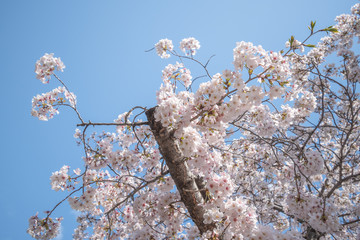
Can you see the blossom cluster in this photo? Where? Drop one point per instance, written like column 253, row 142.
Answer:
column 46, row 228
column 177, row 72
column 278, row 67
column 189, row 141
column 306, row 104
column 172, row 107
column 85, row 202
column 163, row 46
column 310, row 208
column 46, row 66
column 189, row 46
column 58, row 179
column 312, row 164
column 246, row 54
column 220, row 186
column 45, row 106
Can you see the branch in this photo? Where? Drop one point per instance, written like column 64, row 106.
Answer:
column 112, row 124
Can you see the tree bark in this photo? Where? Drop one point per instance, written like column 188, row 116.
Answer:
column 185, row 181
column 312, row 234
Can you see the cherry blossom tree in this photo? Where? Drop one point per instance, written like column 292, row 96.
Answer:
column 266, row 150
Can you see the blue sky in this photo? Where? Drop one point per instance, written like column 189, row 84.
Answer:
column 102, row 44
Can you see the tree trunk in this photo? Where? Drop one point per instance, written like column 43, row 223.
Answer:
column 312, row 234
column 185, row 181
